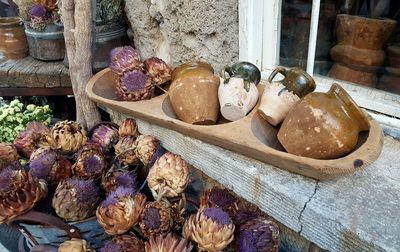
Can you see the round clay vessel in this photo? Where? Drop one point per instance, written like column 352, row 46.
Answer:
column 323, row 125
column 13, row 43
column 279, row 97
column 194, row 93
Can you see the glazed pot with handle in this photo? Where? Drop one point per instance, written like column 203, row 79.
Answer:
column 280, row 96
column 194, row 93
column 238, row 93
column 323, row 125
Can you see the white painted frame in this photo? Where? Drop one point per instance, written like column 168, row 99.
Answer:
column 259, row 43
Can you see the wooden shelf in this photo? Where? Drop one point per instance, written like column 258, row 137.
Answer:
column 30, row 77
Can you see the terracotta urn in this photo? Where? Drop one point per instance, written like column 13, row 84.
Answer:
column 194, row 93
column 279, row 97
column 323, row 125
column 238, row 93
column 13, row 43
column 359, row 52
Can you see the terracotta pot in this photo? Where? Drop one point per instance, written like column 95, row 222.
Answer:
column 238, row 93
column 362, row 32
column 279, row 97
column 360, row 43
column 13, row 43
column 194, row 93
column 323, row 125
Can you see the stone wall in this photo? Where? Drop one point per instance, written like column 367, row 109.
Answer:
column 182, row 30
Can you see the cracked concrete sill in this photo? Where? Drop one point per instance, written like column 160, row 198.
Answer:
column 356, row 212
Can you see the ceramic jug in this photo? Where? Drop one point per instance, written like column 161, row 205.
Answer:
column 194, row 93
column 238, row 93
column 279, row 97
column 323, row 125
column 13, row 44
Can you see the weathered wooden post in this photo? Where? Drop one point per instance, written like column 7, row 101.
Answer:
column 78, row 18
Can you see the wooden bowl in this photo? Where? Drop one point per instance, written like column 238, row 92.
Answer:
column 251, row 136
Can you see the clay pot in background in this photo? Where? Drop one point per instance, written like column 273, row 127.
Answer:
column 194, row 93
column 359, row 53
column 279, row 97
column 238, row 93
column 13, row 43
column 323, row 125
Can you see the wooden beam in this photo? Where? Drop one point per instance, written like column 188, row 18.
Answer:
column 36, row 91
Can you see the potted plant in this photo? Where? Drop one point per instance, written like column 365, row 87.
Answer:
column 361, row 34
column 43, row 28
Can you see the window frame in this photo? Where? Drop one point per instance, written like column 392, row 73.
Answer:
column 259, row 43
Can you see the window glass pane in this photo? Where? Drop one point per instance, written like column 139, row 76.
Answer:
column 359, row 42
column 295, row 32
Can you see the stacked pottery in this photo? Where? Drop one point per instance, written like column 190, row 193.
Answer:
column 194, row 93
column 359, row 53
column 238, row 93
column 279, row 97
column 390, row 81
column 323, row 125
column 13, row 43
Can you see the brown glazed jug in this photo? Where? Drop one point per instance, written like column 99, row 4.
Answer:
column 279, row 97
column 323, row 125
column 194, row 93
column 13, row 43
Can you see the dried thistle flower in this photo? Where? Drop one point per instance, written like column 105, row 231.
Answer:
column 148, row 149
column 76, row 199
column 158, row 70
column 211, row 228
column 91, row 162
column 50, row 165
column 105, row 134
column 258, row 235
column 120, row 211
column 168, row 243
column 115, row 178
column 169, row 175
column 128, row 128
column 156, row 219
column 124, row 59
column 19, row 192
column 218, row 197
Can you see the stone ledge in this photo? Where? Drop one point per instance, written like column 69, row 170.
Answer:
column 357, row 212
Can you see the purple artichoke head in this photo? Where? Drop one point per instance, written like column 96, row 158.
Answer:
column 105, row 135
column 124, row 59
column 86, row 190
column 258, row 235
column 6, row 180
column 126, row 179
column 221, row 197
column 114, row 197
column 110, row 246
column 37, row 11
column 152, row 218
column 42, row 163
column 158, row 70
column 134, row 80
column 218, row 215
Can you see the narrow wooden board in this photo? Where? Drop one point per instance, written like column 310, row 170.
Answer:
column 28, row 72
column 250, row 136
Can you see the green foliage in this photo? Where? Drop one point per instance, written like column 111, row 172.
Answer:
column 15, row 116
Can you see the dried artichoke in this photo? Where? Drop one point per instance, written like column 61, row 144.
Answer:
column 69, row 136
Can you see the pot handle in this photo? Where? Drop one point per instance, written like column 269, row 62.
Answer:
column 277, row 70
column 48, row 220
